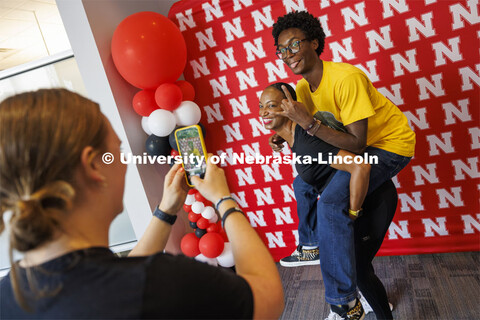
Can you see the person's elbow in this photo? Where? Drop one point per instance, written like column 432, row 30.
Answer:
column 359, row 147
column 268, row 296
column 278, row 300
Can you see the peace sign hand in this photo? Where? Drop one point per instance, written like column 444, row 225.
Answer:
column 294, row 110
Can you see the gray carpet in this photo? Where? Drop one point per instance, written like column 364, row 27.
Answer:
column 434, row 286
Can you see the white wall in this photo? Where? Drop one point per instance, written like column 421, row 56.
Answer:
column 90, row 25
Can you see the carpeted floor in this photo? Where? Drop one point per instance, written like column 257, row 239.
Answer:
column 434, row 286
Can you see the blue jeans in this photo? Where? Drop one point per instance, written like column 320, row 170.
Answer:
column 335, row 229
column 306, row 198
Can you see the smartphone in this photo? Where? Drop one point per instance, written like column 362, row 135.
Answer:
column 191, row 148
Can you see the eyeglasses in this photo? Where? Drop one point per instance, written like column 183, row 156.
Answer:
column 294, row 47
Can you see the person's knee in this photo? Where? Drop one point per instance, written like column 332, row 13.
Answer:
column 338, row 190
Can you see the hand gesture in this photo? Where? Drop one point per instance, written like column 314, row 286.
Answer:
column 174, row 190
column 276, row 142
column 294, row 110
column 214, row 186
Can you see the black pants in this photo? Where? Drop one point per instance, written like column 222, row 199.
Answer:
column 370, row 229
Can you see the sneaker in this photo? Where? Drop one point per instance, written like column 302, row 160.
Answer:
column 301, row 257
column 341, row 312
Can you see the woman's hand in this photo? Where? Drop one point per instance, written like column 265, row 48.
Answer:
column 214, row 186
column 276, row 143
column 294, row 110
column 174, row 190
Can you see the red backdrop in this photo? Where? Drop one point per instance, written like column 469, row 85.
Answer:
column 422, row 55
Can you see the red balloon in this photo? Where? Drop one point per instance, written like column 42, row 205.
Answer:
column 189, row 245
column 148, row 49
column 188, row 91
column 222, row 232
column 144, row 102
column 213, row 227
column 200, row 198
column 203, row 223
column 211, row 245
column 168, row 96
column 207, row 203
column 187, row 208
column 193, row 217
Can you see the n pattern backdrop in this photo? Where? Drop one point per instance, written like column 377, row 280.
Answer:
column 422, row 54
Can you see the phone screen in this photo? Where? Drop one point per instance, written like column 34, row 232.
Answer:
column 191, row 148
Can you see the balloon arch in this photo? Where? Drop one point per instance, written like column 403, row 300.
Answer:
column 150, row 53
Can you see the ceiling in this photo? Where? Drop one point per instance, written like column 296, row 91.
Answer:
column 30, row 30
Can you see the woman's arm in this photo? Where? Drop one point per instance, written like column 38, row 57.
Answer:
column 359, row 178
column 354, row 140
column 252, row 260
column 156, row 235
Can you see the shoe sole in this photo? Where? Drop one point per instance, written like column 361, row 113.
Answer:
column 299, row 263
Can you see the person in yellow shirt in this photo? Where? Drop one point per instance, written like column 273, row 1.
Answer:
column 338, row 104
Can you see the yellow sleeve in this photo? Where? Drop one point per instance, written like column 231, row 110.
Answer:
column 303, row 95
column 353, row 99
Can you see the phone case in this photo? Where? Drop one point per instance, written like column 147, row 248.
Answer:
column 181, row 148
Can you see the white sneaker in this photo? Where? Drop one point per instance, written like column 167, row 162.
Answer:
column 333, row 316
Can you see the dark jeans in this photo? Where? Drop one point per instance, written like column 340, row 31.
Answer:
column 306, row 198
column 334, row 229
column 370, row 229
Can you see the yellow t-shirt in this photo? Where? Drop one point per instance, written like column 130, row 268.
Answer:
column 346, row 95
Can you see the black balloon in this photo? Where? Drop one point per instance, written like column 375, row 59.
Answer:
column 157, row 146
column 171, row 139
column 203, row 129
column 200, row 232
column 193, row 224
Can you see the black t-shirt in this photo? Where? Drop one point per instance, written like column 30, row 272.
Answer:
column 316, row 174
column 94, row 283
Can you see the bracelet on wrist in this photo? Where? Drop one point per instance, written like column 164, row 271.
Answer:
column 355, row 213
column 221, row 200
column 310, row 126
column 228, row 212
column 168, row 218
column 315, row 128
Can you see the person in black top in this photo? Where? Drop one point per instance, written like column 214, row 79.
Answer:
column 378, row 207
column 303, row 143
column 58, row 199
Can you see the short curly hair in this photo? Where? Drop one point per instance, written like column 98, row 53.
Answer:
column 304, row 21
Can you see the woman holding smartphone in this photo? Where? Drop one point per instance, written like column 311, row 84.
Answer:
column 58, row 199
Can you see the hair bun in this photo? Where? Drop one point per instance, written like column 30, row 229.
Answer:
column 36, row 217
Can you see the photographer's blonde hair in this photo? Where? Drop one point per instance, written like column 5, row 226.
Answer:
column 42, row 135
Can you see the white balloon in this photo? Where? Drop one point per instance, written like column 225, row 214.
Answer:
column 190, row 199
column 225, row 259
column 210, row 261
column 161, row 122
column 198, row 207
column 145, row 127
column 208, row 213
column 213, row 219
column 187, row 114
